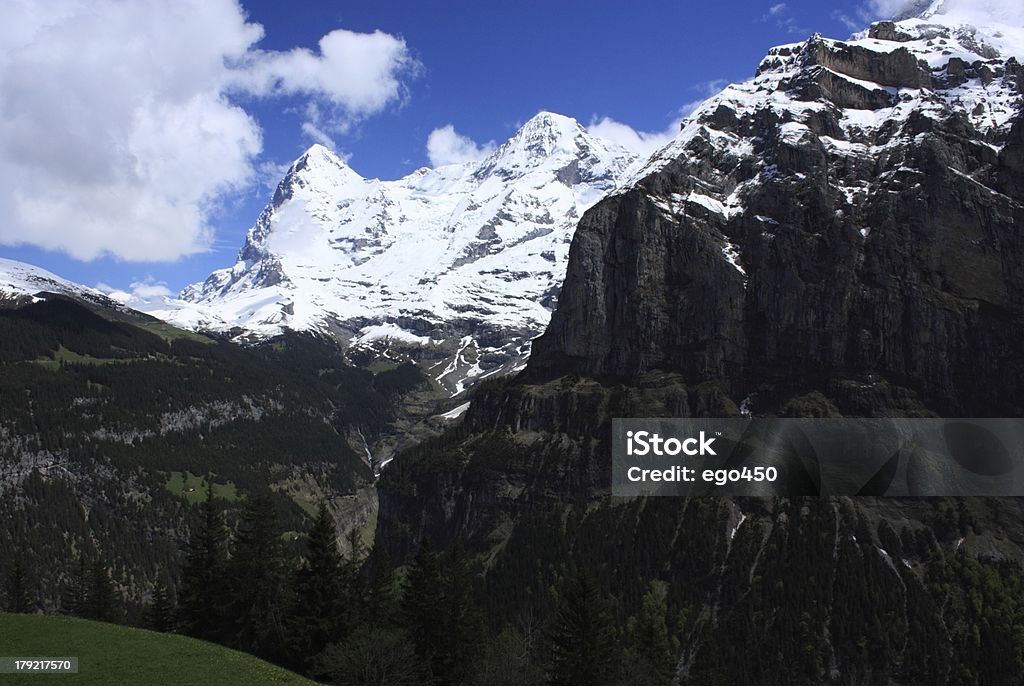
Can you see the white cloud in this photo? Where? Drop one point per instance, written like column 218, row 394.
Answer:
column 968, row 11
column 645, row 143
column 706, row 90
column 446, row 146
column 145, row 292
column 1009, row 12
column 886, row 9
column 118, row 135
column 359, row 72
column 779, row 14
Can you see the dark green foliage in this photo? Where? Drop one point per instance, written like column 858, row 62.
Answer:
column 124, row 408
column 511, row 659
column 159, row 614
column 203, row 598
column 584, row 650
column 402, row 379
column 259, row 576
column 75, row 596
column 380, row 589
column 438, row 610
column 89, row 592
column 708, row 668
column 37, row 329
column 102, row 603
column 988, row 620
column 376, row 656
column 359, row 397
column 19, row 588
column 651, row 657
column 320, row 610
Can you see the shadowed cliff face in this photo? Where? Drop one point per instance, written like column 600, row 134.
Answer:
column 814, row 243
column 784, row 251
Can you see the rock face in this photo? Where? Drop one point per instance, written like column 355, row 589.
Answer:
column 463, row 262
column 799, row 238
column 841, row 235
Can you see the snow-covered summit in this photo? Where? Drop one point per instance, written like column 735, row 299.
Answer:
column 940, row 59
column 18, row 279
column 474, row 254
column 983, row 12
column 473, row 251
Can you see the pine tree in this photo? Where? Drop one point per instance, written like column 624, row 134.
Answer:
column 202, row 598
column 19, row 594
column 652, row 662
column 320, row 608
column 159, row 615
column 438, row 610
column 707, row 667
column 422, row 609
column 461, row 623
column 259, row 581
column 583, row 647
column 75, row 597
column 102, row 603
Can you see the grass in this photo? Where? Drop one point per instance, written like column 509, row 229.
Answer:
column 62, row 354
column 166, row 331
column 306, row 502
column 170, row 333
column 112, row 654
column 193, row 488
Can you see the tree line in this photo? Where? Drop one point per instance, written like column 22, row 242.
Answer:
column 348, row 618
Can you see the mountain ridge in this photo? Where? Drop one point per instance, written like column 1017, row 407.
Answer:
column 459, row 258
column 838, row 236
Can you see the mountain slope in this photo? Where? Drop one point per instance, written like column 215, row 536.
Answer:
column 813, row 227
column 19, row 281
column 841, row 235
column 465, row 257
column 111, row 422
column 108, row 653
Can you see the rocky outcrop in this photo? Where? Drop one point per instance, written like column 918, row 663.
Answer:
column 805, row 254
column 842, row 235
column 897, row 68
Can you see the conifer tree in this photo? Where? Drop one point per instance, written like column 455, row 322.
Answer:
column 159, row 615
column 320, row 608
column 652, row 660
column 583, row 647
column 421, row 605
column 18, row 592
column 461, row 621
column 259, row 581
column 102, row 602
column 377, row 588
column 440, row 615
column 202, row 600
column 75, row 596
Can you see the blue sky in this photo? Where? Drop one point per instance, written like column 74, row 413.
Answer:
column 482, row 67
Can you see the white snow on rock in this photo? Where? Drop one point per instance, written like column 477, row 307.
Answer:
column 478, row 251
column 462, row 250
column 18, row 279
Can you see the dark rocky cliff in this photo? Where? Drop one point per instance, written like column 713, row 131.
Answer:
column 883, row 268
column 843, row 235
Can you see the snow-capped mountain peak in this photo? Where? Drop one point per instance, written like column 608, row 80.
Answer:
column 949, row 58
column 464, row 256
column 1006, row 12
column 18, row 279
